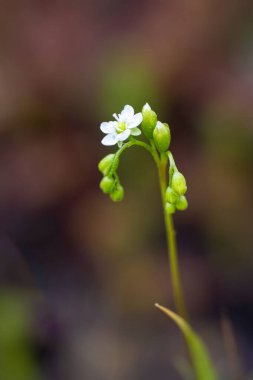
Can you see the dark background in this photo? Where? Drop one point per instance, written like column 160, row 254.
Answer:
column 79, row 275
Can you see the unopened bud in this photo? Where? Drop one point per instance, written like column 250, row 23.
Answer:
column 182, row 203
column 105, row 164
column 169, row 208
column 149, row 120
column 171, row 196
column 107, row 185
column 178, row 183
column 117, row 194
column 162, row 136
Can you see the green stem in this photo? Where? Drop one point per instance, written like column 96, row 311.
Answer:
column 124, row 146
column 172, row 245
column 133, row 142
column 170, row 232
column 129, row 144
column 149, row 148
column 117, row 156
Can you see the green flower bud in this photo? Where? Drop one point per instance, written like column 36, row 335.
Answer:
column 178, row 183
column 171, row 196
column 105, row 164
column 161, row 136
column 117, row 194
column 182, row 203
column 149, row 120
column 107, row 185
column 169, row 208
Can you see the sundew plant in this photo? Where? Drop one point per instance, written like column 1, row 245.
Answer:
column 125, row 132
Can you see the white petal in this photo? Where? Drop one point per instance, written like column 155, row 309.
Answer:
column 108, row 127
column 116, row 116
column 126, row 114
column 110, row 139
column 124, row 135
column 135, row 121
column 135, row 131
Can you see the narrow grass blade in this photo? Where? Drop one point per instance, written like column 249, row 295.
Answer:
column 201, row 362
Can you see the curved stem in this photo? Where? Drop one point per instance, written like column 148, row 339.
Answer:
column 172, row 245
column 161, row 163
column 131, row 143
column 117, row 156
column 149, row 148
column 124, row 147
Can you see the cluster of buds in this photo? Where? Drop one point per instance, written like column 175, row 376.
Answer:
column 175, row 194
column 160, row 133
column 153, row 129
column 110, row 182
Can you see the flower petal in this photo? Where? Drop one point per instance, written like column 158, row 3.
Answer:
column 124, row 135
column 135, row 121
column 127, row 114
column 135, row 131
column 108, row 127
column 116, row 116
column 110, row 139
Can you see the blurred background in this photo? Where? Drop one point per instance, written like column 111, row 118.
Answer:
column 79, row 275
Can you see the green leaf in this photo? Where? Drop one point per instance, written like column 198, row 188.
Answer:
column 201, row 362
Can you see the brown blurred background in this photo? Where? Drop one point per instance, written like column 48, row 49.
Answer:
column 79, row 275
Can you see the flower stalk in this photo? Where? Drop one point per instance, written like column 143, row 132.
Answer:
column 172, row 244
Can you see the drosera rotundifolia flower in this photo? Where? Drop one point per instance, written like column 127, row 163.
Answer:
column 125, row 125
column 173, row 189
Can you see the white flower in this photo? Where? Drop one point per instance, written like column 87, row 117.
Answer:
column 125, row 125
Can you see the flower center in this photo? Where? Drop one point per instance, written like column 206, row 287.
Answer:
column 121, row 127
